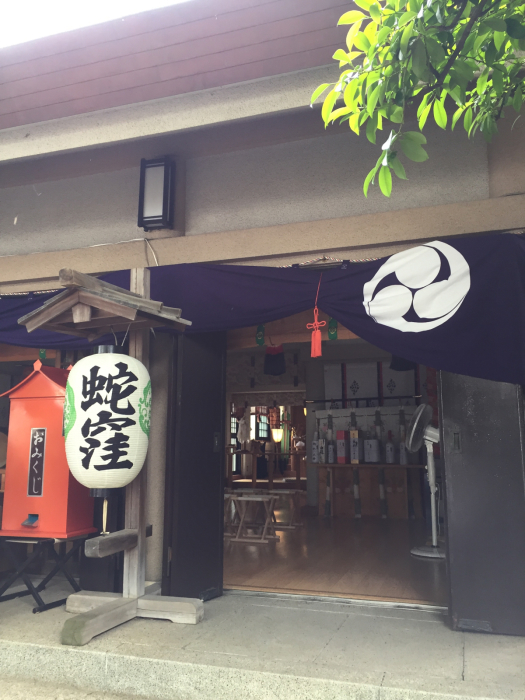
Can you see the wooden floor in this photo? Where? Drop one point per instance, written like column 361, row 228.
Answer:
column 368, row 558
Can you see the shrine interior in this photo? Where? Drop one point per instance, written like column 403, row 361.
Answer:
column 314, row 523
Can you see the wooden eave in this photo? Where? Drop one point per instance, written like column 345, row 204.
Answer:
column 90, row 308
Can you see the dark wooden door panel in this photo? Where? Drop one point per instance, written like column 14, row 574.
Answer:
column 482, row 446
column 195, row 467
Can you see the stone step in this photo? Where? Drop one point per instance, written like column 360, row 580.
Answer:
column 17, row 689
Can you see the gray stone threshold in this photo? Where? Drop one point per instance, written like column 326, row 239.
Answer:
column 362, row 602
column 96, row 672
column 261, row 647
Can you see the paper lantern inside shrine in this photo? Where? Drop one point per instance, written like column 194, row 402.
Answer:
column 107, row 420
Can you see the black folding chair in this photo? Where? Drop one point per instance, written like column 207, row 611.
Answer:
column 40, row 545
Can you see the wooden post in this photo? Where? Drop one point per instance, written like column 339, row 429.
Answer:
column 298, row 465
column 253, row 449
column 135, row 514
column 230, row 449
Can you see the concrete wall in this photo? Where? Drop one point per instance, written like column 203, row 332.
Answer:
column 321, row 178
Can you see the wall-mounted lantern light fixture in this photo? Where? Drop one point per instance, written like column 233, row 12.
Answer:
column 156, row 194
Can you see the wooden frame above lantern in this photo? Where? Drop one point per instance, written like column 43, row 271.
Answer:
column 90, row 308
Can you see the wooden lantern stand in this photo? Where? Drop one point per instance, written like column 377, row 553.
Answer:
column 91, row 308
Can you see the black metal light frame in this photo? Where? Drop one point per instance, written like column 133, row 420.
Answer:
column 166, row 219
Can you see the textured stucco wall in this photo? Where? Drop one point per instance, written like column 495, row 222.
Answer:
column 322, row 178
column 71, row 213
column 298, row 181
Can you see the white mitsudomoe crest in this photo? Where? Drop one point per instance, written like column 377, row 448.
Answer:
column 416, row 271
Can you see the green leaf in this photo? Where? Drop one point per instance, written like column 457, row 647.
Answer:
column 499, row 39
column 497, row 81
column 405, row 38
column 375, row 13
column 515, row 29
column 318, row 91
column 424, row 116
column 398, row 168
column 423, row 104
column 385, row 180
column 440, row 114
column 351, row 17
column 372, row 100
column 467, row 120
column 395, row 114
column 382, row 34
column 371, row 128
column 361, row 41
column 497, row 24
column 328, row 105
column 467, row 48
column 369, row 178
column 370, row 31
column 517, row 100
column 406, row 17
column 350, row 94
column 481, row 83
column 365, row 4
column 490, row 53
column 456, row 116
column 415, row 137
column 464, row 69
column 353, row 123
column 352, row 32
column 419, row 59
column 340, row 55
column 341, row 112
column 435, row 51
column 413, row 150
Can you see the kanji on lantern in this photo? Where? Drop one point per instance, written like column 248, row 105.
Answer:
column 107, row 419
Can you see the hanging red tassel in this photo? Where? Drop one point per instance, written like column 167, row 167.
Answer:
column 315, row 326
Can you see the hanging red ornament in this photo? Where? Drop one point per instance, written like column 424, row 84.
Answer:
column 315, row 326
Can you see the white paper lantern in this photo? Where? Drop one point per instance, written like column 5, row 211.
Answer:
column 107, row 420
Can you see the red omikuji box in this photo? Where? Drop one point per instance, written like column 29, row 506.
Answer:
column 42, row 499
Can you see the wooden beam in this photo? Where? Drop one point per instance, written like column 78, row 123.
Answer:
column 84, row 601
column 81, row 629
column 46, row 313
column 65, row 330
column 188, row 611
column 81, row 313
column 106, row 545
column 291, row 329
column 135, row 513
column 73, row 278
column 117, row 308
column 15, row 353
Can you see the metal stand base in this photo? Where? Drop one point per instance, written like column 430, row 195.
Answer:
column 428, row 552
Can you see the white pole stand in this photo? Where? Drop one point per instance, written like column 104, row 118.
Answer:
column 434, row 551
column 100, row 612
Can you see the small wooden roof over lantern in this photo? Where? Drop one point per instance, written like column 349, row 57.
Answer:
column 90, row 308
